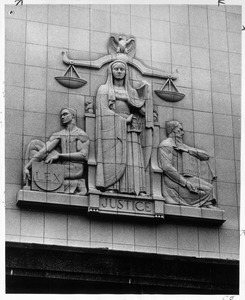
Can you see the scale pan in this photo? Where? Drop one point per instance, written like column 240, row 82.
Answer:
column 71, row 82
column 170, row 96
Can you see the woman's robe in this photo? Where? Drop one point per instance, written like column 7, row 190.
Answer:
column 120, row 158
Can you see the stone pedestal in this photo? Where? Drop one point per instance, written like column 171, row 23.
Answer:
column 120, row 205
column 90, row 129
column 156, row 171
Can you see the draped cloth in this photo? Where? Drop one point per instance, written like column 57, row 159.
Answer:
column 123, row 150
column 179, row 167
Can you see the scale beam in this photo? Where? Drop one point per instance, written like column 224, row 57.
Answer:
column 98, row 63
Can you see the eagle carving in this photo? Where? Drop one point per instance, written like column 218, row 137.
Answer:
column 120, row 44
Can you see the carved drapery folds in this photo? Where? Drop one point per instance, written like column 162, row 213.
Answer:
column 187, row 176
column 129, row 170
column 124, row 124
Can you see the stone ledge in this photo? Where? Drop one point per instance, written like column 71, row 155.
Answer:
column 120, row 205
column 203, row 215
column 27, row 198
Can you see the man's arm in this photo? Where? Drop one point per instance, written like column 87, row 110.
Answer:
column 200, row 154
column 82, row 145
column 165, row 156
column 39, row 156
column 80, row 155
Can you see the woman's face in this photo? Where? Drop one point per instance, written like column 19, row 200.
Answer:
column 118, row 70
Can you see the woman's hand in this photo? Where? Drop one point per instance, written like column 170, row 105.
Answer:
column 112, row 104
column 129, row 119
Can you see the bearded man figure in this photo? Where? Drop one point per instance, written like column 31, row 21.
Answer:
column 187, row 176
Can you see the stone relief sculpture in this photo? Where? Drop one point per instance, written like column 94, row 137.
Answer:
column 89, row 106
column 126, row 174
column 69, row 80
column 124, row 124
column 120, row 44
column 67, row 150
column 187, row 176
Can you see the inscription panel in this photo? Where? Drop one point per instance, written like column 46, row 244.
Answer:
column 130, row 206
column 47, row 177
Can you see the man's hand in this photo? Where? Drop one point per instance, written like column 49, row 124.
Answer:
column 191, row 188
column 26, row 175
column 193, row 153
column 52, row 158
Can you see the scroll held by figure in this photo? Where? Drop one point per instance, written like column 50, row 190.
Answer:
column 58, row 164
column 124, row 126
column 187, row 176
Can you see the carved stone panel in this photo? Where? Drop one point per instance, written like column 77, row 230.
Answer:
column 46, row 177
column 126, row 206
column 187, row 175
column 58, row 165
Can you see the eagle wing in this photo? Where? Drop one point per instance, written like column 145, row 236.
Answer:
column 130, row 44
column 114, row 42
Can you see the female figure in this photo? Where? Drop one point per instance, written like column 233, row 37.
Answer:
column 123, row 114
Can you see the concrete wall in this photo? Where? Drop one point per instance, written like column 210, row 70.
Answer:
column 201, row 43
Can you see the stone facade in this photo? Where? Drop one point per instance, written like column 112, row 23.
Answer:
column 201, row 44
